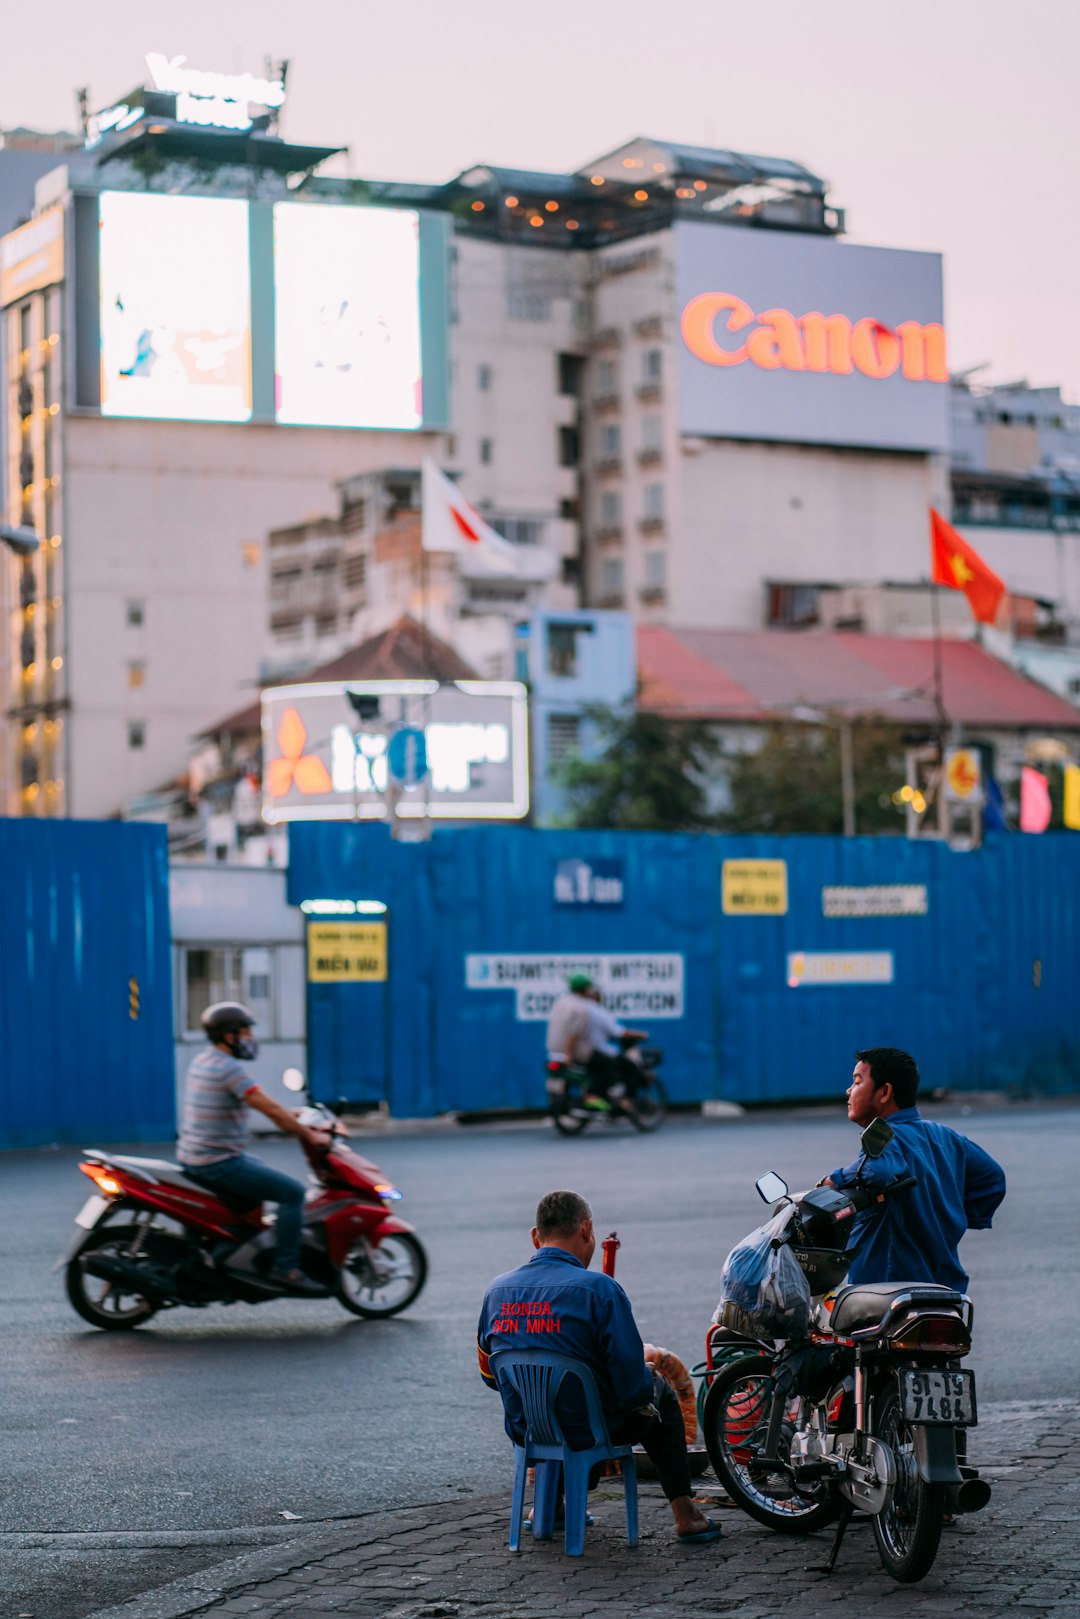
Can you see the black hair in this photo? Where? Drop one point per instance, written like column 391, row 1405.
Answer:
column 561, row 1214
column 888, row 1066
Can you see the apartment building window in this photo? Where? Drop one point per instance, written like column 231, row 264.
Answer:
column 520, row 530
column 610, row 441
column 607, row 378
column 483, row 378
column 792, row 605
column 136, row 675
column 228, row 973
column 610, row 508
column 652, row 434
column 136, row 614
column 653, row 502
column 486, row 451
column 562, row 648
column 563, row 736
column 569, row 453
column 354, row 573
column 652, row 366
column 570, row 368
column 655, row 570
column 611, row 576
column 251, row 553
column 136, row 735
column 325, row 624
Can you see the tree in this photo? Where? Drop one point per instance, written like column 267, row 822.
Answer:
column 651, row 775
column 792, row 783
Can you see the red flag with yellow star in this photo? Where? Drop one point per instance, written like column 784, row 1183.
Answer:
column 956, row 564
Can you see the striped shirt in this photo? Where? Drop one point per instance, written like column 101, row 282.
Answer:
column 214, row 1122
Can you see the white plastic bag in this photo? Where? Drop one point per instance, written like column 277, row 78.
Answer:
column 763, row 1291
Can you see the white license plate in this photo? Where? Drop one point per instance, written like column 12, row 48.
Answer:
column 938, row 1397
column 91, row 1211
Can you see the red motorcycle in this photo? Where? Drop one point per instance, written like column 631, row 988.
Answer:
column 149, row 1239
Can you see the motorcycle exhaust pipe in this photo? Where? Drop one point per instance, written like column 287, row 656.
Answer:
column 970, row 1496
column 134, row 1277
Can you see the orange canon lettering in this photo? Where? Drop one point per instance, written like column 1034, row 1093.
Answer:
column 874, row 348
column 699, row 326
column 922, row 352
column 827, row 342
column 776, row 344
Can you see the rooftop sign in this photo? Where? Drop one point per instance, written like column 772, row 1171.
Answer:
column 32, row 257
column 329, row 751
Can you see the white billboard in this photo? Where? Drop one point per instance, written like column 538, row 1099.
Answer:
column 347, row 316
column 378, row 749
column 809, row 340
column 175, row 307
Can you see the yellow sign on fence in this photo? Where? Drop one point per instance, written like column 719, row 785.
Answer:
column 346, row 952
column 754, row 888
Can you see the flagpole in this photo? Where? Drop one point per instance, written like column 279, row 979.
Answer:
column 939, row 677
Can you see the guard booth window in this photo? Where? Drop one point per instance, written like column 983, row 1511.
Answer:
column 229, row 973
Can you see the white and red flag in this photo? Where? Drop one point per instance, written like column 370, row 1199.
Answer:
column 450, row 524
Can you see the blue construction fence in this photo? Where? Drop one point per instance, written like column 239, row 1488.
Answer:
column 758, row 964
column 85, row 983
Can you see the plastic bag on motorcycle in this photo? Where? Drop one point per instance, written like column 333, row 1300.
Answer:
column 763, row 1291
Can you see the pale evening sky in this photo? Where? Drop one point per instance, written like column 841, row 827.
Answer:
column 945, row 124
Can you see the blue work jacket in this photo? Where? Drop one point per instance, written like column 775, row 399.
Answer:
column 553, row 1304
column 914, row 1236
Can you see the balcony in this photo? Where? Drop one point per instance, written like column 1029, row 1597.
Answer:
column 650, row 393
column 652, row 595
column 606, row 401
column 650, row 457
column 608, row 466
column 650, row 525
column 608, row 337
column 651, row 326
column 608, row 533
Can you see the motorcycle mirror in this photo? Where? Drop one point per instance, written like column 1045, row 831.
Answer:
column 875, row 1138
column 293, row 1079
column 771, row 1187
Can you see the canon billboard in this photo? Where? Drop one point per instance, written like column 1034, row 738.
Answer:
column 808, row 340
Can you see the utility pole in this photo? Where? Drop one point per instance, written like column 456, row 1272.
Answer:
column 847, row 775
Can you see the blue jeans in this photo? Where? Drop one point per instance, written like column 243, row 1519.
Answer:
column 245, row 1180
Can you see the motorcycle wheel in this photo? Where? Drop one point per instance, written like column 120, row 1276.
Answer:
column 734, row 1420
column 100, row 1302
column 650, row 1105
column 388, row 1287
column 567, row 1123
column 908, row 1530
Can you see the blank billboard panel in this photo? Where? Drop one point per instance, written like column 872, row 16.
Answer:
column 347, row 316
column 175, row 307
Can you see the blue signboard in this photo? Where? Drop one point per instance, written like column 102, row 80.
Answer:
column 406, row 756
column 598, row 882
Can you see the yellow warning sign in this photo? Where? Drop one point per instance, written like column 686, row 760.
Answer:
column 754, row 888
column 963, row 775
column 346, row 952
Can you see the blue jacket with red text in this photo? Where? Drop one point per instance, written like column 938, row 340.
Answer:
column 555, row 1305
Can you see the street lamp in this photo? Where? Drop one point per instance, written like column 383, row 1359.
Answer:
column 23, row 541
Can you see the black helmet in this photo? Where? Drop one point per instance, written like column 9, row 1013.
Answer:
column 226, row 1017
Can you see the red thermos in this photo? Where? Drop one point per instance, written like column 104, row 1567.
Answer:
column 610, row 1246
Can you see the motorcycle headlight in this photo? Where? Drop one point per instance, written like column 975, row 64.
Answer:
column 389, row 1193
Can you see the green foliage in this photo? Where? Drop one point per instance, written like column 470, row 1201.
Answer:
column 649, row 775
column 793, row 782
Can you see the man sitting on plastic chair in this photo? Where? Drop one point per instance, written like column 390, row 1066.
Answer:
column 555, row 1305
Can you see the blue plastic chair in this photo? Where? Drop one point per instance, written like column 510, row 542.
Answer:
column 537, row 1378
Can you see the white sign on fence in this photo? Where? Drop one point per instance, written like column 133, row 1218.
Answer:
column 647, row 986
column 880, row 899
column 824, row 969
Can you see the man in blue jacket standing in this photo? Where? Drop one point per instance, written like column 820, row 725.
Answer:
column 557, row 1305
column 915, row 1236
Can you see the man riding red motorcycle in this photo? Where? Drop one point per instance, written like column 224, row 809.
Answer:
column 214, row 1135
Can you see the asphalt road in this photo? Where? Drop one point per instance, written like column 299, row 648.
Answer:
column 209, row 1423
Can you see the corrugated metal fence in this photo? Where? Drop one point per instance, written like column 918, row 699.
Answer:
column 980, row 977
column 85, row 988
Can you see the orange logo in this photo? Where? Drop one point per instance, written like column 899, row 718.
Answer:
column 305, row 769
column 781, row 341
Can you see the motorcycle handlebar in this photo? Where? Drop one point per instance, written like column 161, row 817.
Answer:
column 863, row 1196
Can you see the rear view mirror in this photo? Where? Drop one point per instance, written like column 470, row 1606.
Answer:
column 771, row 1187
column 875, row 1138
column 292, row 1079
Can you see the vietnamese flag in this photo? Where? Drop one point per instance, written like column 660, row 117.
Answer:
column 954, row 563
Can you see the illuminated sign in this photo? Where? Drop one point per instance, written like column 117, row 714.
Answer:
column 328, row 758
column 753, row 887
column 805, row 339
column 649, row 986
column 814, row 342
column 32, row 257
column 346, row 952
column 216, row 100
column 175, row 307
column 347, row 316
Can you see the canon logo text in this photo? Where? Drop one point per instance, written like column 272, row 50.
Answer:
column 781, row 341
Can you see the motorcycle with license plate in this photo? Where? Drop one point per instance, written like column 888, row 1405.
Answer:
column 864, row 1408
column 149, row 1239
column 573, row 1105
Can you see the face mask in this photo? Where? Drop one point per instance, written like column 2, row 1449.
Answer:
column 246, row 1050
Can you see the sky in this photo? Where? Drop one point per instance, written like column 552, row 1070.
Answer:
column 950, row 125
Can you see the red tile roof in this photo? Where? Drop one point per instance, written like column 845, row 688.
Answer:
column 764, row 674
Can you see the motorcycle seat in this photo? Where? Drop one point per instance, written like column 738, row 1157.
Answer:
column 859, row 1307
column 162, row 1170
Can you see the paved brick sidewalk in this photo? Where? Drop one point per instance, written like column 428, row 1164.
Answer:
column 1021, row 1557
